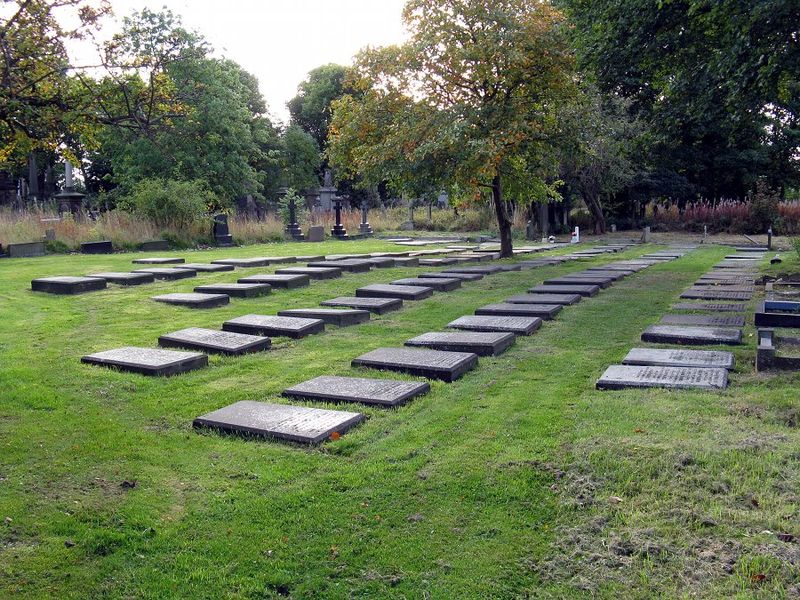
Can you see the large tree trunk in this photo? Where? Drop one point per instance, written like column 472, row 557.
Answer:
column 503, row 218
column 593, row 202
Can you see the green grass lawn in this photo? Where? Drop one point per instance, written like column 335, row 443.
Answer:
column 519, row 480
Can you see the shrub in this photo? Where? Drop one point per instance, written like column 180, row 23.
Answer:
column 299, row 206
column 169, row 203
column 796, row 244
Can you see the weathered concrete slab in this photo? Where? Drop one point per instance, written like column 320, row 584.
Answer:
column 582, row 290
column 505, row 309
column 679, row 358
column 405, row 292
column 603, row 282
column 124, row 277
column 341, row 317
column 440, row 284
column 377, row 392
column 691, row 335
column 236, row 290
column 437, row 262
column 704, row 320
column 208, row 268
column 433, row 364
column 280, row 421
column 406, row 261
column 275, row 326
column 148, row 361
column 342, row 265
column 518, row 325
column 276, row 280
column 67, row 285
column 213, row 340
column 715, row 295
column 482, row 343
column 449, row 275
column 630, row 376
column 159, row 260
column 480, row 270
column 723, row 288
column 193, row 300
column 382, row 262
column 710, row 306
column 378, row 306
column 256, row 261
column 562, row 299
column 168, row 273
column 312, row 272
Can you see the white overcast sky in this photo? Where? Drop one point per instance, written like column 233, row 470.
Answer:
column 280, row 41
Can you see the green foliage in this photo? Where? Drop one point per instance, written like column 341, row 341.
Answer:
column 764, row 207
column 300, row 160
column 300, row 209
column 311, row 107
column 168, row 202
column 796, row 244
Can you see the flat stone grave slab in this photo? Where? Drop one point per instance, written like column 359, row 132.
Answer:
column 510, row 268
column 407, row 261
column 544, row 311
column 382, row 262
column 482, row 343
column 276, row 280
column 724, row 283
column 615, row 275
column 343, row 265
column 213, row 340
column 282, row 260
column 168, row 273
column 377, row 392
column 274, row 326
column 691, row 335
column 626, row 269
column 67, row 285
column 448, row 275
column 715, row 295
column 124, row 277
column 341, row 317
column 562, row 299
column 433, row 364
column 726, row 276
column 736, row 265
column 711, row 306
column 405, row 292
column 312, row 272
column 236, row 290
column 193, row 300
column 280, row 421
column 378, row 306
column 704, row 320
column 669, row 357
column 437, row 262
column 440, row 284
column 480, row 270
column 618, row 377
column 583, row 290
column 310, row 257
column 158, row 260
column 208, row 268
column 148, row 361
column 259, row 261
column 603, row 282
column 724, row 288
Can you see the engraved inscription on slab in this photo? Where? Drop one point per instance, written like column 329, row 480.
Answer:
column 675, row 334
column 704, row 320
column 381, row 392
column 212, row 340
column 518, row 325
column 488, row 343
column 563, row 299
column 712, row 306
column 270, row 325
column 631, row 376
column 148, row 361
column 406, row 292
column 378, row 306
column 545, row 311
column 679, row 358
column 447, row 366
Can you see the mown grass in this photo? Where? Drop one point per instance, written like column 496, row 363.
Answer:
column 518, row 480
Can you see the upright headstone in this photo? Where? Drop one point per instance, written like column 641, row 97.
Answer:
column 338, row 230
column 316, row 234
column 222, row 235
column 647, row 236
column 364, row 228
column 293, row 228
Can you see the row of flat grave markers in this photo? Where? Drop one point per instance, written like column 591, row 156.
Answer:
column 444, row 356
column 715, row 321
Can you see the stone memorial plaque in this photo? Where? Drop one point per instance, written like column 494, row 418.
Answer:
column 602, row 282
column 518, row 325
column 382, row 262
column 236, row 290
column 287, row 282
column 405, row 292
column 504, row 309
column 481, row 270
column 274, row 326
column 619, row 377
column 730, row 285
column 378, row 306
column 124, row 278
column 712, row 306
column 148, row 361
column 725, row 275
column 482, row 343
column 582, row 290
column 67, row 285
column 433, row 364
column 208, row 268
column 193, row 300
column 693, row 294
column 601, row 272
column 281, row 421
column 679, row 358
column 378, row 392
column 449, row 275
column 723, row 288
column 259, row 261
column 406, row 261
column 691, row 335
column 440, row 284
column 619, row 268
column 562, row 299
column 342, row 317
column 168, row 273
column 312, row 272
column 343, row 265
column 704, row 320
column 212, row 340
column 158, row 260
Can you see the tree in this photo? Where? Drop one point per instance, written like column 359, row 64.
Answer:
column 300, row 159
column 466, row 101
column 311, row 107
